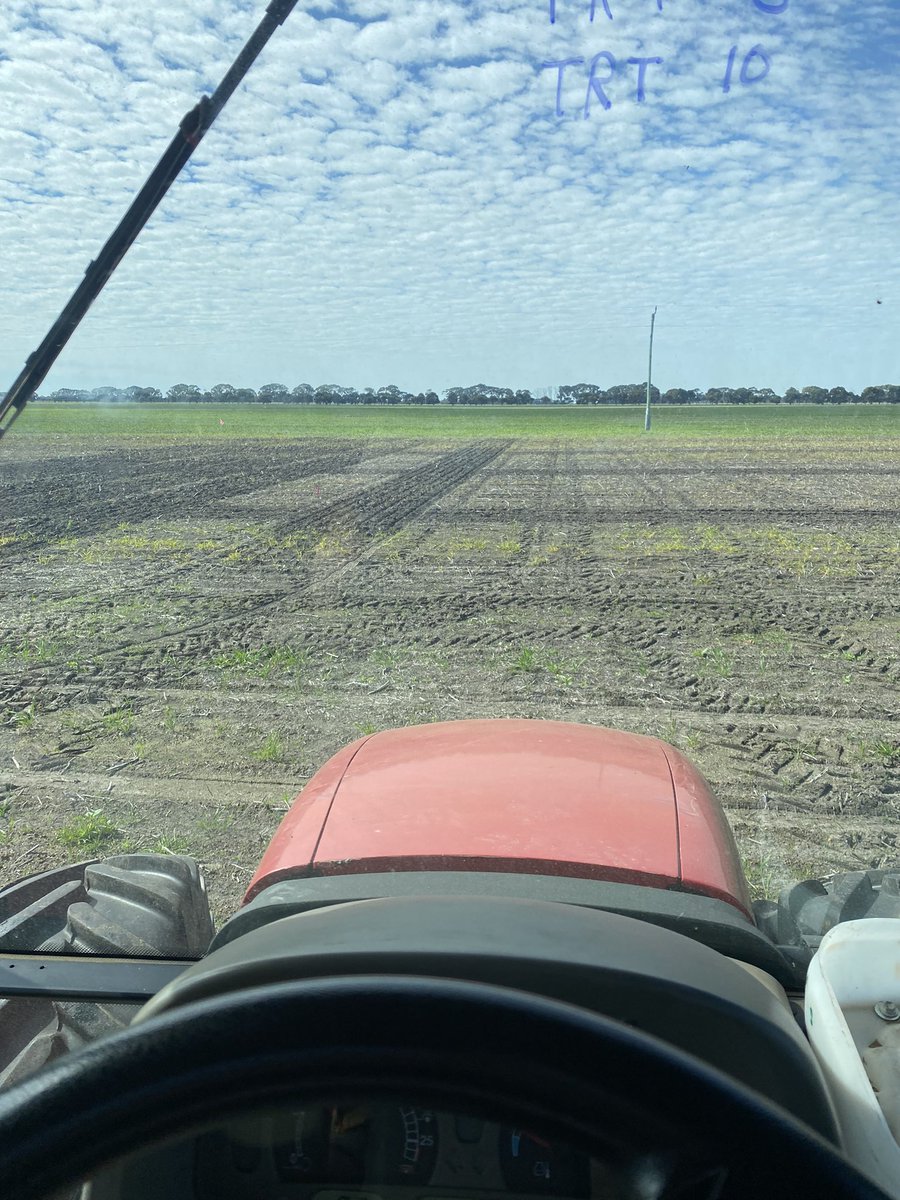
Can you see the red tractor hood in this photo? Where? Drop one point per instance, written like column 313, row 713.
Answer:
column 544, row 797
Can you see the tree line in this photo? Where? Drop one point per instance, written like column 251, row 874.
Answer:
column 479, row 393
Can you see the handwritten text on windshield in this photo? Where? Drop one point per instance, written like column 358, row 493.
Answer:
column 597, row 79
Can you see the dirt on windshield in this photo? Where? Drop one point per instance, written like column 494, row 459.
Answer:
column 190, row 630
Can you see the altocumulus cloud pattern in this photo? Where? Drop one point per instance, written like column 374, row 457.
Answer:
column 430, row 192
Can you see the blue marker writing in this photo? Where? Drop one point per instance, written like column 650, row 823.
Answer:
column 560, row 67
column 595, row 85
column 642, row 64
column 756, row 52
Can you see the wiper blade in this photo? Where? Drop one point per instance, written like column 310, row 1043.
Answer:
column 190, row 132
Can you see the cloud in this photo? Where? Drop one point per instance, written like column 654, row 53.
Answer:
column 390, row 196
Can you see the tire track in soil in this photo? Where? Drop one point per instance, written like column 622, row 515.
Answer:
column 396, row 501
column 798, row 791
column 789, row 471
column 653, row 515
column 542, row 511
column 621, row 617
column 93, row 493
column 797, row 763
column 385, row 507
column 756, row 605
column 622, row 622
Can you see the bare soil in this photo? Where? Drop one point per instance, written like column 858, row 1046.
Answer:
column 187, row 632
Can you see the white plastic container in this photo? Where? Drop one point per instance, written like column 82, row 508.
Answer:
column 856, row 967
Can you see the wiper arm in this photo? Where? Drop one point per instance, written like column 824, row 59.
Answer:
column 190, row 132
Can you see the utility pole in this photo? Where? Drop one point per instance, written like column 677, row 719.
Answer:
column 649, row 372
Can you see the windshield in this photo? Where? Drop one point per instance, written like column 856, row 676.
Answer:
column 525, row 359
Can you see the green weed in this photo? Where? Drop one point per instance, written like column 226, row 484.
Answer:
column 270, row 751
column 25, row 718
column 120, row 721
column 262, row 662
column 333, row 545
column 171, row 843
column 560, row 671
column 89, row 832
column 393, row 547
column 888, row 752
column 714, row 660
column 216, row 823
column 526, row 662
column 36, row 650
column 6, row 834
column 466, row 545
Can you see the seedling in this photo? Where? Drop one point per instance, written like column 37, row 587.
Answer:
column 526, row 662
column 89, row 832
column 270, row 751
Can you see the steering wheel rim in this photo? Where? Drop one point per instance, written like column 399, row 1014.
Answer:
column 515, row 1056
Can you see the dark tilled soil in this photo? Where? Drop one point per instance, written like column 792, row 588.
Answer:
column 187, row 633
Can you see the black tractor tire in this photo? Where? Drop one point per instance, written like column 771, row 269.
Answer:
column 806, row 911
column 146, row 905
column 141, row 905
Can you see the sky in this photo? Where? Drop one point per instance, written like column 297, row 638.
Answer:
column 416, row 192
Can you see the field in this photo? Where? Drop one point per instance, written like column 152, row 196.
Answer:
column 196, row 615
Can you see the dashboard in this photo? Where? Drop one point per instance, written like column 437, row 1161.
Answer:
column 383, row 1151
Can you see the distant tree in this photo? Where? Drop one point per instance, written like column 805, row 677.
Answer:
column 680, row 396
column 221, row 393
column 183, row 393
column 631, row 393
column 70, row 395
column 144, row 395
column 333, row 393
column 273, row 393
column 390, row 394
column 718, row 395
column 302, row 394
column 742, row 395
column 884, row 393
column 484, row 393
column 244, row 396
column 814, row 395
column 840, row 395
column 582, row 393
column 792, row 396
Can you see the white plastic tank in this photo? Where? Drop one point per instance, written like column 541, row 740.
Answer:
column 852, row 1005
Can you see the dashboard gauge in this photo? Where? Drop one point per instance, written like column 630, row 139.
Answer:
column 300, row 1144
column 411, row 1146
column 533, row 1164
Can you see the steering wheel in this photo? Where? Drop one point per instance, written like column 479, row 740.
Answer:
column 513, row 1057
